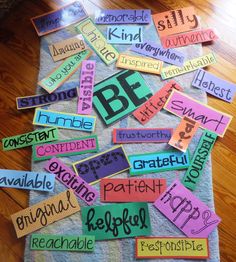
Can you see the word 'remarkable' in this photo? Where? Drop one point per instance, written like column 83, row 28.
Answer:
column 58, row 19
column 29, row 139
column 116, row 221
column 26, row 180
column 188, row 66
column 183, row 134
column 105, row 164
column 158, row 162
column 61, row 73
column 70, row 147
column 214, row 85
column 141, row 135
column 209, row 118
column 139, row 64
column 176, row 21
column 99, row 43
column 131, row 190
column 201, row 36
column 44, row 213
column 64, row 120
column 127, row 16
column 69, row 179
column 198, row 162
column 155, row 103
column 171, row 247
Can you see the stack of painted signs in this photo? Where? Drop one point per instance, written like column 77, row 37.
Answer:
column 118, row 96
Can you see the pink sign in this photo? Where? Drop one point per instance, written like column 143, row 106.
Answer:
column 186, row 211
column 85, row 99
column 209, row 118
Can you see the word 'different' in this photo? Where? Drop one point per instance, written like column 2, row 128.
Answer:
column 186, row 211
column 158, row 162
column 64, row 120
column 92, row 34
column 69, row 179
column 116, row 221
column 44, row 213
column 208, row 117
column 131, row 190
column 105, row 164
column 172, row 247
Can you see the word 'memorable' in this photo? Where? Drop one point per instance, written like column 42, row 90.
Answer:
column 186, row 211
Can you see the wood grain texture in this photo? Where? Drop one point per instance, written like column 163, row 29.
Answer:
column 19, row 65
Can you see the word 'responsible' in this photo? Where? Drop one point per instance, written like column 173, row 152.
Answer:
column 26, row 180
column 119, row 95
column 62, row 242
column 69, row 179
column 186, row 211
column 131, row 190
column 105, row 164
column 70, row 147
column 116, row 221
column 141, row 135
column 171, row 247
column 58, row 19
column 44, row 213
column 64, row 120
column 188, row 66
column 91, row 33
column 199, row 160
column 214, row 85
column 29, row 139
column 158, row 162
column 209, row 118
column 155, row 103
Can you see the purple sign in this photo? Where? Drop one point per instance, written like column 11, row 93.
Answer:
column 156, row 51
column 214, row 85
column 105, row 164
column 125, row 16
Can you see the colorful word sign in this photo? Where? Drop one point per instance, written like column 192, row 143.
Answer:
column 139, row 64
column 188, row 66
column 199, row 160
column 131, row 190
column 108, row 163
column 69, row 147
column 214, row 85
column 183, row 134
column 26, row 180
column 186, row 211
column 60, row 18
column 194, row 37
column 208, row 117
column 158, row 162
column 158, row 52
column 67, row 47
column 45, row 99
column 176, row 21
column 124, row 16
column 91, row 33
column 87, row 76
column 62, row 242
column 154, row 104
column 69, row 179
column 44, row 213
column 64, row 120
column 119, row 95
column 116, row 221
column 29, row 139
column 171, row 247
column 61, row 73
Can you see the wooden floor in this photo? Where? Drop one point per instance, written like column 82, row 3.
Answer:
column 19, row 65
